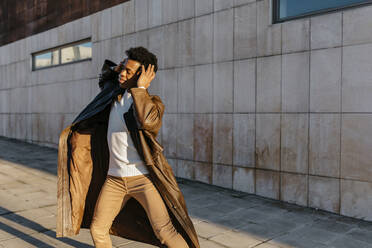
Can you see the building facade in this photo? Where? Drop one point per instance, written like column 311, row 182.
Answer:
column 255, row 100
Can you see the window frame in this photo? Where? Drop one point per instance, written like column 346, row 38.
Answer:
column 277, row 19
column 59, row 48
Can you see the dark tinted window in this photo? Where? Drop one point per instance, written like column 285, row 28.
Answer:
column 289, row 9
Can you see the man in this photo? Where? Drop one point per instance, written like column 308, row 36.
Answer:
column 112, row 175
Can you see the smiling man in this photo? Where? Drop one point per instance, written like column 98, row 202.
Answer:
column 118, row 181
column 128, row 175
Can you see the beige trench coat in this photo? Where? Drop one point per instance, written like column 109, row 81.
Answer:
column 83, row 164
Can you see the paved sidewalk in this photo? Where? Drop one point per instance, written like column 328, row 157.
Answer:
column 222, row 218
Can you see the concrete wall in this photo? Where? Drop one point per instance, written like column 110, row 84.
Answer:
column 282, row 111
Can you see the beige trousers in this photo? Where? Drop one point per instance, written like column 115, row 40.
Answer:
column 115, row 193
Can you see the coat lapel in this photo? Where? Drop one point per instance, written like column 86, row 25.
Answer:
column 163, row 178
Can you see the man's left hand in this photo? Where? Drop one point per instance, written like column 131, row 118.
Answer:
column 146, row 76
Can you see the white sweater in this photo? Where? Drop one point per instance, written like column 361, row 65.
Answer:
column 124, row 158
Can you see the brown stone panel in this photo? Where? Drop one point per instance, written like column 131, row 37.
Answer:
column 267, row 152
column 85, row 7
column 22, row 18
column 93, row 6
column 324, row 145
column 41, row 24
column 356, row 143
column 11, row 17
column 54, row 16
column 3, row 12
column 356, row 199
column 244, row 179
column 267, row 183
column 317, row 197
column 293, row 188
column 203, row 172
column 222, row 138
column 29, row 15
column 294, row 143
column 20, row 32
column 41, row 8
column 76, row 9
column 203, row 137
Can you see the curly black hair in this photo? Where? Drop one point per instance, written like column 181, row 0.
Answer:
column 143, row 56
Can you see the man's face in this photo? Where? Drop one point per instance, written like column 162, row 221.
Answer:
column 128, row 75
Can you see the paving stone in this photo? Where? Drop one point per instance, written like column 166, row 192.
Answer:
column 332, row 226
column 360, row 234
column 265, row 245
column 291, row 243
column 260, row 231
column 346, row 242
column 366, row 225
column 308, row 235
column 235, row 239
column 243, row 203
column 242, row 217
column 136, row 245
column 210, row 244
column 208, row 230
column 52, row 209
column 213, row 212
column 83, row 239
column 119, row 241
column 202, row 201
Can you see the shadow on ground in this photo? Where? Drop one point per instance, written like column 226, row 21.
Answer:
column 11, row 222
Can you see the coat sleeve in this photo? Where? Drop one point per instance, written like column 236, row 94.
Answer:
column 148, row 110
column 107, row 73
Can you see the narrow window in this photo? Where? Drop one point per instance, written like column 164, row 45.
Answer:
column 76, row 52
column 69, row 53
